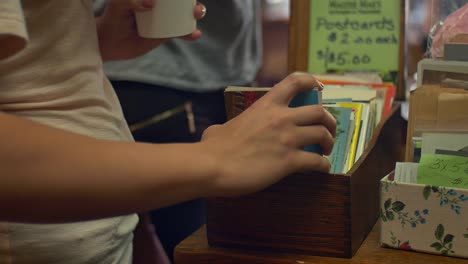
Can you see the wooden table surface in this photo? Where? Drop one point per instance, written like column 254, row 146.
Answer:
column 195, row 250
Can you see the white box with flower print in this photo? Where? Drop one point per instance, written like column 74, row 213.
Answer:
column 430, row 219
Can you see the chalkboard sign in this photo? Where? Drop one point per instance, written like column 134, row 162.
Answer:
column 349, row 35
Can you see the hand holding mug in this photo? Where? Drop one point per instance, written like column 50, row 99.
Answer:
column 118, row 33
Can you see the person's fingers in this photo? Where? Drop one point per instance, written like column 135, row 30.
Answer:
column 308, row 161
column 309, row 135
column 199, row 11
column 148, row 43
column 313, row 115
column 321, row 85
column 284, row 91
column 193, row 36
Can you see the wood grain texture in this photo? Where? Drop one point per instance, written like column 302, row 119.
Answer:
column 304, row 212
column 195, row 250
column 385, row 148
column 402, row 63
column 298, row 51
column 309, row 212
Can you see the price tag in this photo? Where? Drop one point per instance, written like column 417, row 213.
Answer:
column 443, row 170
column 354, row 35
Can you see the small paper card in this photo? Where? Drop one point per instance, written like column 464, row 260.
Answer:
column 443, row 170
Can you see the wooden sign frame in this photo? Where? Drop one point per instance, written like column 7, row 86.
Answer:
column 298, row 51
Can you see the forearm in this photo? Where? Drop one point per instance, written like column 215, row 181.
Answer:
column 46, row 171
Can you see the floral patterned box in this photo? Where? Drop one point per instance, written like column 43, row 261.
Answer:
column 431, row 219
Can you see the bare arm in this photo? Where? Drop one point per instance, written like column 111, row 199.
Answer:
column 52, row 175
column 49, row 175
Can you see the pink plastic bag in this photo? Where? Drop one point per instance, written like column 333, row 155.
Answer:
column 455, row 23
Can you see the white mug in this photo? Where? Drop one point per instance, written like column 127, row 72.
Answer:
column 167, row 19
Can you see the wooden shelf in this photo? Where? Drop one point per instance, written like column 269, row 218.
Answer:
column 195, row 250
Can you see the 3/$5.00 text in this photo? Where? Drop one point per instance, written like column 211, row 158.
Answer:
column 342, row 58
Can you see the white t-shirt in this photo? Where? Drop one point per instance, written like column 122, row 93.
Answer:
column 57, row 80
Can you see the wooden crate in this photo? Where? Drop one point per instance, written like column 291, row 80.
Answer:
column 312, row 213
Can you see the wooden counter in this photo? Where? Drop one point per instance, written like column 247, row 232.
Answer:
column 195, row 250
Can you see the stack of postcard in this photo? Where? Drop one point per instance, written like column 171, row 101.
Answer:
column 358, row 104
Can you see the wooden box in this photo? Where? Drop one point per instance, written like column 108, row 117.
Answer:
column 195, row 250
column 312, row 213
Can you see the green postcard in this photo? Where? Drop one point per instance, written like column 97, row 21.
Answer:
column 443, row 170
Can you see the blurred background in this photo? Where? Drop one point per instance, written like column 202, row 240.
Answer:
column 275, row 36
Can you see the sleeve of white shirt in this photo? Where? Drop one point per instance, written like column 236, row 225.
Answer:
column 12, row 22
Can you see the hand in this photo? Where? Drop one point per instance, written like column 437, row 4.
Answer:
column 117, row 31
column 265, row 142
